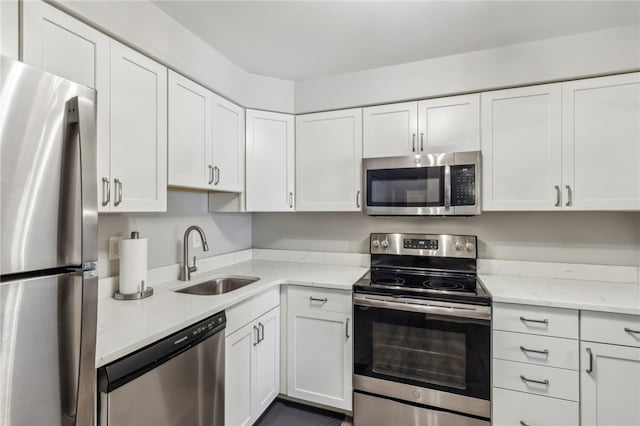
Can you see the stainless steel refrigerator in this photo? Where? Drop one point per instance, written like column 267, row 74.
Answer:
column 48, row 233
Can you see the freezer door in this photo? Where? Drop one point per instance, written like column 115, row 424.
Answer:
column 47, row 357
column 48, row 205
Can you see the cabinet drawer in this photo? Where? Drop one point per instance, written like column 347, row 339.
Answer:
column 246, row 311
column 610, row 328
column 541, row 320
column 560, row 352
column 512, row 408
column 319, row 298
column 561, row 383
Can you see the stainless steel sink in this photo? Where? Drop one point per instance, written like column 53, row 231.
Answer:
column 219, row 285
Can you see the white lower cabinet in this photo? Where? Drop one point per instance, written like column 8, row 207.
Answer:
column 252, row 369
column 512, row 408
column 610, row 372
column 319, row 347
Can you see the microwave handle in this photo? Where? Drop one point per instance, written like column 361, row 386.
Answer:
column 447, row 188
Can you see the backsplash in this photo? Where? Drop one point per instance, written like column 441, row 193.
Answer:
column 601, row 238
column 226, row 232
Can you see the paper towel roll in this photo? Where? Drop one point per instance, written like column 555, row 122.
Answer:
column 133, row 265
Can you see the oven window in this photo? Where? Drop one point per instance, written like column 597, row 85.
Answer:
column 450, row 354
column 430, row 356
column 410, row 187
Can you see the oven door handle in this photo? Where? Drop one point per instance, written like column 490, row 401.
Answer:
column 449, row 309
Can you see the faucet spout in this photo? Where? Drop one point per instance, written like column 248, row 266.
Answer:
column 186, row 269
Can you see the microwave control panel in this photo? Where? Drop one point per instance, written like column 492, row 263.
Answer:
column 463, row 185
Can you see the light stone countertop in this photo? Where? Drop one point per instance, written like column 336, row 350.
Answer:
column 623, row 298
column 126, row 326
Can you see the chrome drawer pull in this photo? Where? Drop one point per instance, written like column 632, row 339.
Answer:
column 346, row 328
column 544, row 321
column 522, row 423
column 535, row 351
column 540, row 382
column 257, row 330
column 628, row 330
column 590, row 369
column 316, row 299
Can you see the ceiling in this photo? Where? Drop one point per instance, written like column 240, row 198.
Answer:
column 300, row 40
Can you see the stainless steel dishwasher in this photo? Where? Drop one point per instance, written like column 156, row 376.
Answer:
column 178, row 380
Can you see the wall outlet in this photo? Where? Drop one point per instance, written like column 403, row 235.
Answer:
column 197, row 241
column 114, row 248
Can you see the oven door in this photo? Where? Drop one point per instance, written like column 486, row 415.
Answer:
column 425, row 352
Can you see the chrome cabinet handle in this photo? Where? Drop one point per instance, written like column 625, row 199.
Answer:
column 590, row 369
column 558, row 196
column 535, row 351
column 540, row 382
column 544, row 321
column 257, row 330
column 261, row 332
column 216, row 171
column 422, row 142
column 316, row 299
column 346, row 328
column 358, row 198
column 107, row 191
column 291, row 200
column 569, row 196
column 118, row 184
column 413, row 142
column 628, row 330
column 522, row 423
column 210, row 174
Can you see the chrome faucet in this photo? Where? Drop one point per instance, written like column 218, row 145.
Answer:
column 186, row 269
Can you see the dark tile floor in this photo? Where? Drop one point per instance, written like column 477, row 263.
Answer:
column 287, row 413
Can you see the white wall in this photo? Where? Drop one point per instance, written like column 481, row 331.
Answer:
column 225, row 232
column 148, row 28
column 9, row 31
column 570, row 237
column 581, row 55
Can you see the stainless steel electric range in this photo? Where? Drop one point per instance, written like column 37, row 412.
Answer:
column 422, row 334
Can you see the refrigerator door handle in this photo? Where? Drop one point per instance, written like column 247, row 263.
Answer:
column 81, row 121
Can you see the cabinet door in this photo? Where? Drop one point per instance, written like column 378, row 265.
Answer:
column 138, row 131
column 449, row 124
column 611, row 390
column 319, row 357
column 601, row 143
column 521, row 148
column 228, row 146
column 62, row 45
column 239, row 371
column 267, row 362
column 270, row 162
column 329, row 161
column 390, row 130
column 190, row 133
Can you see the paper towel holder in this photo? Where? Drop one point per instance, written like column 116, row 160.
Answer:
column 144, row 291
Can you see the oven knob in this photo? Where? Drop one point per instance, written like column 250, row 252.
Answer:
column 457, row 246
column 375, row 243
column 469, row 246
column 384, row 243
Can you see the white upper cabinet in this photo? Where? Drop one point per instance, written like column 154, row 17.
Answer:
column 601, row 143
column 390, row 130
column 62, row 45
column 138, row 145
column 270, row 162
column 190, row 133
column 450, row 124
column 521, row 148
column 329, row 161
column 228, row 146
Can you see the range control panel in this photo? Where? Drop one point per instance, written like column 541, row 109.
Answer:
column 442, row 245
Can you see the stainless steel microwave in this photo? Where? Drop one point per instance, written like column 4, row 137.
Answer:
column 423, row 185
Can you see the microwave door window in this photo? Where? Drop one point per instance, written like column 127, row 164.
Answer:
column 410, row 187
